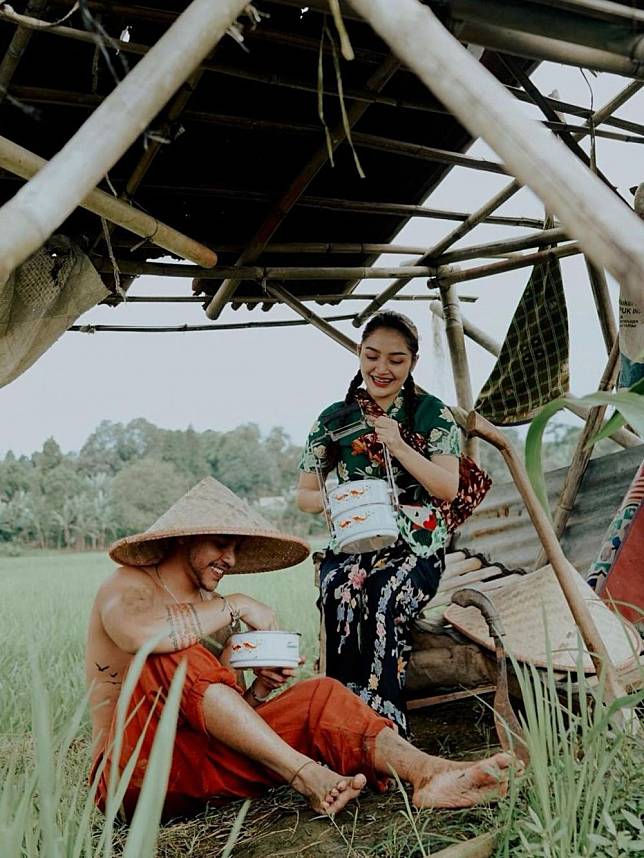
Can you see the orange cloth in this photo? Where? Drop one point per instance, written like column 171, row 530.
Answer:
column 319, row 717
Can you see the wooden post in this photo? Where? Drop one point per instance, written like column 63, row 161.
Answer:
column 622, row 437
column 26, row 164
column 582, row 453
column 608, row 231
column 599, row 286
column 458, row 357
column 562, row 567
column 31, row 216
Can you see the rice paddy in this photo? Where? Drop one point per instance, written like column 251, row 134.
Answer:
column 582, row 796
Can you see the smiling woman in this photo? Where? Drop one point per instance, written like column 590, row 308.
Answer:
column 370, row 599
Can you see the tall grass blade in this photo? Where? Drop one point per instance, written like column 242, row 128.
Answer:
column 233, row 837
column 141, row 841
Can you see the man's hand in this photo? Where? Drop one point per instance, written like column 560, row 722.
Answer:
column 255, row 614
column 270, row 678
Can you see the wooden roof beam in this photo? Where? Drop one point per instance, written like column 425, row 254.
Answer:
column 318, row 299
column 229, row 326
column 599, row 116
column 267, row 273
column 287, row 200
column 30, row 217
column 68, row 98
column 26, row 164
column 271, row 79
column 17, row 48
column 312, row 318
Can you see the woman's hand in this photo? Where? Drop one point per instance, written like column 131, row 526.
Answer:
column 388, row 433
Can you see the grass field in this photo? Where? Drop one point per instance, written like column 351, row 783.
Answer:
column 583, row 794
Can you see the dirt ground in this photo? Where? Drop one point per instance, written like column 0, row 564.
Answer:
column 282, row 824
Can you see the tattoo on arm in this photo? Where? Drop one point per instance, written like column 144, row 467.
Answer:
column 185, row 628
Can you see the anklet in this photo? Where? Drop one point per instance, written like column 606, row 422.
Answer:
column 307, row 763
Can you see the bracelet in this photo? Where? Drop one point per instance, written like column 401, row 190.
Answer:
column 235, row 615
column 255, row 697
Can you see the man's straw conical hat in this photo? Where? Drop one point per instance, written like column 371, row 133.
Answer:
column 211, row 509
column 539, row 625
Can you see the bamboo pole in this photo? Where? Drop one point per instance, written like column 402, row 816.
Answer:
column 484, row 213
column 608, row 231
column 362, row 206
column 476, row 334
column 599, row 286
column 254, row 299
column 583, row 451
column 562, row 567
column 69, row 98
column 260, row 273
column 181, row 329
column 331, row 248
column 312, row 318
column 458, row 232
column 334, row 204
column 622, row 38
column 26, row 164
column 426, row 153
column 539, row 100
column 17, row 48
column 30, row 217
column 622, row 437
column 150, row 152
column 542, row 48
column 458, row 357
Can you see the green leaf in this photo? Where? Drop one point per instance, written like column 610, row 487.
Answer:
column 534, row 448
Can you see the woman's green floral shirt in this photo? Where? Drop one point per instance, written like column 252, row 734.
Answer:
column 420, row 521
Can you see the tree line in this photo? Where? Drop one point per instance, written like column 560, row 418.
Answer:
column 125, row 476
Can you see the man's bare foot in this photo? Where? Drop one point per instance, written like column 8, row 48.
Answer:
column 463, row 784
column 326, row 791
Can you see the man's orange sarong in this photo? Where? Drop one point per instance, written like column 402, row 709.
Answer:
column 318, row 717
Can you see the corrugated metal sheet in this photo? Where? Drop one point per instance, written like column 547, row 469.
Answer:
column 501, row 527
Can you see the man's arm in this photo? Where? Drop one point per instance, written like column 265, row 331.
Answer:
column 133, row 610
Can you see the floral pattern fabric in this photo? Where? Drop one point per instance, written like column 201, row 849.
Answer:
column 358, row 456
column 368, row 603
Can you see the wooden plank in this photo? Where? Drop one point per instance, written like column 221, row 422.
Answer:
column 436, row 700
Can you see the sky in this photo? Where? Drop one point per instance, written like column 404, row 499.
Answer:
column 286, row 376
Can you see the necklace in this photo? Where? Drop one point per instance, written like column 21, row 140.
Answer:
column 168, row 590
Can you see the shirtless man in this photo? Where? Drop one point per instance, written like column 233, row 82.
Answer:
column 230, row 743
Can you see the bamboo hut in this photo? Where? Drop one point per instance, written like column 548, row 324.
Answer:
column 207, row 131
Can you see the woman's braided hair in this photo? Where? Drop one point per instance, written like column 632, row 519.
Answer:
column 405, row 327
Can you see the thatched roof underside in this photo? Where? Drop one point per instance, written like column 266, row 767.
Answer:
column 239, row 144
column 244, row 140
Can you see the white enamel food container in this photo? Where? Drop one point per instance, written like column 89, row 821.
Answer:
column 362, row 516
column 265, row 649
